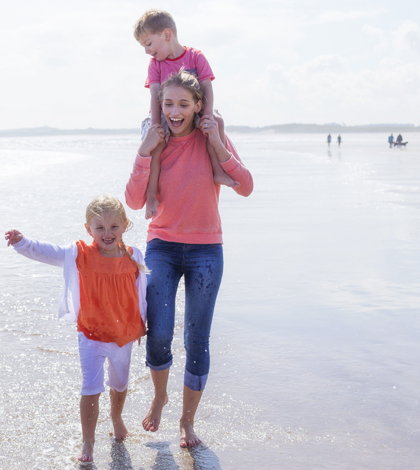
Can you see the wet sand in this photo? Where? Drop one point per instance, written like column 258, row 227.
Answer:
column 315, row 338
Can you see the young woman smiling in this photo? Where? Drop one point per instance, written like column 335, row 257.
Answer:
column 184, row 239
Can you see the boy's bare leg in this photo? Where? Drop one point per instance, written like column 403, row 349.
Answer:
column 89, row 412
column 191, row 399
column 152, row 202
column 117, row 405
column 160, row 381
column 219, row 175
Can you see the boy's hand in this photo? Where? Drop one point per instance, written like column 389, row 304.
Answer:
column 13, row 237
column 154, row 136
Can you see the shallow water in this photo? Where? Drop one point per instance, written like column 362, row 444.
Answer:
column 315, row 341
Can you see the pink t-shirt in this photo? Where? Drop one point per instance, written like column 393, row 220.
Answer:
column 191, row 59
column 188, row 198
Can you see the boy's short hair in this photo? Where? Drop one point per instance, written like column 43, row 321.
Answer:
column 154, row 22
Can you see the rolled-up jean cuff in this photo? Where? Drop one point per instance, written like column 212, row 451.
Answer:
column 158, row 368
column 195, row 382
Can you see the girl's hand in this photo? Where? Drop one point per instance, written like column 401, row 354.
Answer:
column 13, row 237
column 154, row 136
column 210, row 128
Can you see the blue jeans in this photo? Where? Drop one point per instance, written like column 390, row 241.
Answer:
column 202, row 267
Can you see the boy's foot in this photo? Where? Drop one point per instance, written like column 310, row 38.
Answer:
column 87, row 452
column 120, row 431
column 152, row 420
column 152, row 205
column 188, row 437
column 225, row 179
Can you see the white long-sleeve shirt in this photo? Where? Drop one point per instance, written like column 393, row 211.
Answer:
column 65, row 257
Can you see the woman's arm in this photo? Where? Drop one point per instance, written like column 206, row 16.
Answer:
column 228, row 157
column 237, row 170
column 135, row 191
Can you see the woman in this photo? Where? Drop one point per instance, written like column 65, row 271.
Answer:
column 184, row 239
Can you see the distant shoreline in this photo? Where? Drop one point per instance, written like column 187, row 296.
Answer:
column 326, row 129
column 275, row 129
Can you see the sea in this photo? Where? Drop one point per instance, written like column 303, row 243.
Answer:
column 315, row 344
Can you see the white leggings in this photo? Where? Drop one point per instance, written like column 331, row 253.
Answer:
column 92, row 359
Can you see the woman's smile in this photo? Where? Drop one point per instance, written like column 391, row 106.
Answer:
column 176, row 122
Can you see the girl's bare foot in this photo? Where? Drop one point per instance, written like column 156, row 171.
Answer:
column 223, row 178
column 87, row 452
column 188, row 437
column 152, row 420
column 120, row 431
column 152, row 205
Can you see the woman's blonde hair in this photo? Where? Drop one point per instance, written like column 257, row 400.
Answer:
column 105, row 203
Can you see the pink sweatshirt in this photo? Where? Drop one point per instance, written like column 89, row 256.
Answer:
column 188, row 209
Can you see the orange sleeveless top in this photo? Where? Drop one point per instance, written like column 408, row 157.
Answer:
column 109, row 301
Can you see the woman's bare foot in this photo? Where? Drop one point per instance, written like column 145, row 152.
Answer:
column 152, row 205
column 87, row 452
column 152, row 420
column 188, row 437
column 120, row 431
column 223, row 178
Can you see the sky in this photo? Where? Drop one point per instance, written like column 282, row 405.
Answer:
column 75, row 63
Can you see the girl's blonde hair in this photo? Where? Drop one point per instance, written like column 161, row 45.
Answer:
column 105, row 203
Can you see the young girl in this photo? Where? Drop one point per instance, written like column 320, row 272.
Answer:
column 105, row 293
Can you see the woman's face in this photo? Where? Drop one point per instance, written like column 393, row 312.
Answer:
column 178, row 107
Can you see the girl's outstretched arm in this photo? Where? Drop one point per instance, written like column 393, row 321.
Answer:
column 13, row 237
column 44, row 252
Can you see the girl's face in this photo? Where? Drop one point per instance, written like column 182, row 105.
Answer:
column 179, row 108
column 107, row 231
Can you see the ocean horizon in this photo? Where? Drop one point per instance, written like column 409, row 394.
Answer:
column 293, row 128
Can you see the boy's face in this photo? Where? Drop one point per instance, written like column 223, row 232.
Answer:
column 156, row 45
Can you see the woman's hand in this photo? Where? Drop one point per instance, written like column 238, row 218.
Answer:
column 154, row 136
column 13, row 237
column 210, row 128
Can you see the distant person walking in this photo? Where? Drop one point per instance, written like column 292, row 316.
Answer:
column 329, row 139
column 339, row 140
column 391, row 141
column 399, row 140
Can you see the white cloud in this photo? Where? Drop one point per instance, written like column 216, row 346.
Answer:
column 379, row 36
column 407, row 37
column 328, row 83
column 334, row 16
column 325, row 64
